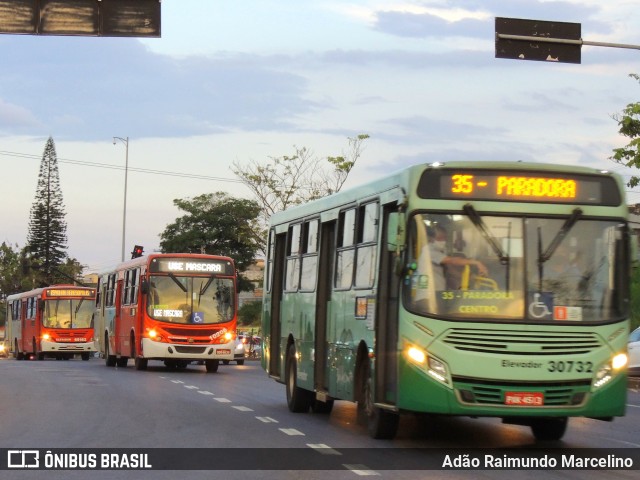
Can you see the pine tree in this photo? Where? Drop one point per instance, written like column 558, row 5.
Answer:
column 47, row 240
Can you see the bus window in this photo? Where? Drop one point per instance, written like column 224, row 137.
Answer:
column 190, row 300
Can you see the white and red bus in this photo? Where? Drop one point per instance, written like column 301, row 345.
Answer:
column 176, row 308
column 54, row 321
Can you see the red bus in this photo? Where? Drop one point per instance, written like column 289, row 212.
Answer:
column 54, row 321
column 176, row 308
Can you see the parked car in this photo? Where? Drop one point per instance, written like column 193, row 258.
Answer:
column 633, row 349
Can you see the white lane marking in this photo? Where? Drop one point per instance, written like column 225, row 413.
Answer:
column 204, row 392
column 191, row 387
column 267, row 420
column 323, row 449
column 222, row 400
column 291, row 431
column 361, row 470
column 177, row 381
column 243, row 409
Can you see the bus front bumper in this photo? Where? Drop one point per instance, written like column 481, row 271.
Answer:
column 170, row 351
column 48, row 346
column 429, row 396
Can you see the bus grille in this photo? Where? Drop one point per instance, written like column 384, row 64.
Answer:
column 493, row 393
column 191, row 332
column 193, row 350
column 514, row 342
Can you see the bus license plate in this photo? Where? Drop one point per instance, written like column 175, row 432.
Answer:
column 79, row 339
column 524, row 399
column 221, row 351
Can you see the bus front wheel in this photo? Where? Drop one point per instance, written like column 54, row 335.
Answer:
column 109, row 360
column 545, row 429
column 211, row 365
column 381, row 423
column 299, row 400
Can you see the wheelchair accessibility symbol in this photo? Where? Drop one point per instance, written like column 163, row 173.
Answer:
column 541, row 305
column 197, row 317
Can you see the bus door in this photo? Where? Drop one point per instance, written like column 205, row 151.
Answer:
column 28, row 325
column 119, row 327
column 323, row 297
column 386, row 326
column 279, row 261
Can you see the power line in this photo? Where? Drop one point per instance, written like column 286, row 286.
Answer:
column 117, row 167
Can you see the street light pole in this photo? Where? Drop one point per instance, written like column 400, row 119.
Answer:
column 126, row 172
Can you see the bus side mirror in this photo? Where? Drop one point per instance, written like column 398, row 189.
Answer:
column 144, row 286
column 635, row 261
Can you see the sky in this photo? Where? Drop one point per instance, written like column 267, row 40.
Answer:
column 236, row 81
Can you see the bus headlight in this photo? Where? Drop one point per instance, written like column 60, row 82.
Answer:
column 417, row 355
column 606, row 371
column 154, row 335
column 46, row 337
column 435, row 368
column 619, row 361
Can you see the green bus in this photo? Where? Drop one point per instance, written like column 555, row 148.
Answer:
column 493, row 289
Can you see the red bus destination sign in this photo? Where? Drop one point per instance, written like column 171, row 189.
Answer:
column 191, row 265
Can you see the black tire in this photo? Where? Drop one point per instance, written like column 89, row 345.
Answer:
column 549, row 429
column 109, row 360
column 122, row 362
column 381, row 424
column 299, row 400
column 212, row 365
column 240, row 362
column 85, row 356
column 322, row 407
column 225, row 362
column 138, row 362
column 17, row 354
column 36, row 353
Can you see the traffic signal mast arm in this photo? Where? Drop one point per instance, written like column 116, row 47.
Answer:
column 567, row 41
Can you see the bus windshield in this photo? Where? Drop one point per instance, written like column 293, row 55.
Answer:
column 513, row 268
column 191, row 300
column 68, row 313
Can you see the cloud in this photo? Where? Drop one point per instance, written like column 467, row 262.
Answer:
column 88, row 88
column 16, row 118
column 475, row 18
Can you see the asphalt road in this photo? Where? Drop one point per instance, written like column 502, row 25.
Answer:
column 240, row 417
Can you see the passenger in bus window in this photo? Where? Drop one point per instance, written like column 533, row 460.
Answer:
column 442, row 261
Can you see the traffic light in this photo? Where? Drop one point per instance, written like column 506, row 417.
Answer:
column 137, row 251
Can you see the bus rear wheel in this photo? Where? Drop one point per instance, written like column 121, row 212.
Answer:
column 299, row 400
column 546, row 429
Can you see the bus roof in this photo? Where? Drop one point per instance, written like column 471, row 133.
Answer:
column 404, row 179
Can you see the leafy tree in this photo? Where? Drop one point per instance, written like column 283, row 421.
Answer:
column 292, row 180
column 629, row 123
column 47, row 236
column 250, row 313
column 218, row 224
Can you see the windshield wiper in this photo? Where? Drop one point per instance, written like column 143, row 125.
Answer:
column 555, row 243
column 566, row 227
column 480, row 225
column 175, row 279
column 78, row 306
column 205, row 287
